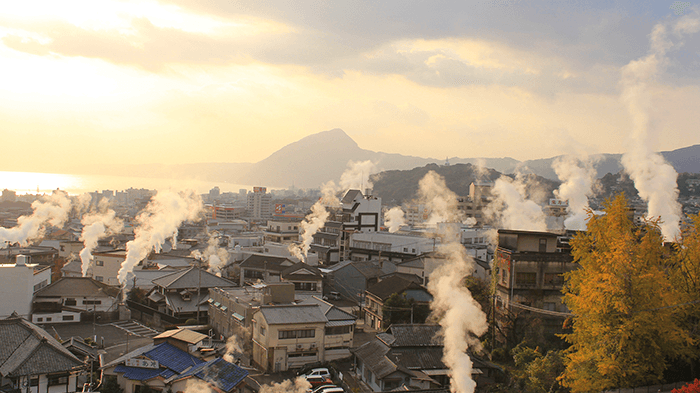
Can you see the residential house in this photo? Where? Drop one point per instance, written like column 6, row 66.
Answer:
column 409, row 357
column 183, row 294
column 340, row 329
column 306, row 279
column 18, row 283
column 530, row 268
column 183, row 338
column 70, row 297
column 105, row 266
column 377, row 294
column 32, row 361
column 263, row 267
column 284, row 232
column 351, row 278
column 231, row 309
column 164, row 367
column 288, row 336
column 385, row 246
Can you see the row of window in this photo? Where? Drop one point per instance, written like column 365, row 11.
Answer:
column 65, row 318
column 305, row 333
column 73, row 302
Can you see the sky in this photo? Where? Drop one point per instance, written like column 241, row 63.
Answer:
column 87, row 82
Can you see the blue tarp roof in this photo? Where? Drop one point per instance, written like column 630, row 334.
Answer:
column 224, row 375
column 143, row 374
column 172, row 357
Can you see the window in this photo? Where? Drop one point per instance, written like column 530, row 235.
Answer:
column 262, row 330
column 550, row 306
column 34, row 382
column 40, row 319
column 306, row 333
column 48, row 319
column 526, row 279
column 338, row 330
column 555, row 279
column 99, row 278
column 61, row 379
column 68, row 317
column 543, row 245
column 304, row 286
column 70, row 302
column 99, row 263
column 92, row 301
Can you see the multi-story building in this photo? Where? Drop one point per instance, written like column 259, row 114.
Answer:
column 529, row 275
column 358, row 213
column 379, row 293
column 225, row 212
column 18, row 283
column 282, row 231
column 105, row 266
column 259, row 204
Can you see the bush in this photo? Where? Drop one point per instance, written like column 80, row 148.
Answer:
column 693, row 387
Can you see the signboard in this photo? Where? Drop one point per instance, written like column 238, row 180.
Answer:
column 261, row 190
column 280, row 208
column 141, row 363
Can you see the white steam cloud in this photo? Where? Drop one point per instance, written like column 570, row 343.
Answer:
column 460, row 316
column 51, row 210
column 95, row 227
column 299, row 385
column 233, row 346
column 215, row 256
column 315, row 221
column 512, row 209
column 157, row 223
column 394, row 219
column 355, row 177
column 653, row 177
column 577, row 185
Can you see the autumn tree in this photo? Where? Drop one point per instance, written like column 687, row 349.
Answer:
column 624, row 328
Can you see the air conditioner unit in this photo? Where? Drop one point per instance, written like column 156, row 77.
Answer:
column 312, row 346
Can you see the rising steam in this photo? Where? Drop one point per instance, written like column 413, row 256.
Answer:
column 577, row 182
column 95, row 227
column 315, row 221
column 512, row 209
column 653, row 177
column 215, row 256
column 356, row 177
column 394, row 219
column 459, row 314
column 51, row 210
column 157, row 223
column 300, row 385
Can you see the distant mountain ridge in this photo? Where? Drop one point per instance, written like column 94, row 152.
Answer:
column 324, row 156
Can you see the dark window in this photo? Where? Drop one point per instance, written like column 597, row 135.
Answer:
column 337, row 330
column 543, row 245
column 307, row 333
column 526, row 279
column 58, row 379
column 34, row 382
column 70, row 302
column 554, row 279
column 68, row 317
column 99, row 263
column 92, row 301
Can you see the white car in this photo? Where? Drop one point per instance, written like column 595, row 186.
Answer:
column 320, row 372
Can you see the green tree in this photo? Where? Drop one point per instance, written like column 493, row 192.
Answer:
column 398, row 309
column 623, row 329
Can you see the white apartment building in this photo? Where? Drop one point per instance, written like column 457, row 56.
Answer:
column 18, row 282
column 259, row 204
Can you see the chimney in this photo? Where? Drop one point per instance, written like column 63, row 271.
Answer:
column 21, row 260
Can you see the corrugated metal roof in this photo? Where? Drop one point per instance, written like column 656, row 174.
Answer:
column 421, row 335
column 186, row 335
column 218, row 372
column 191, row 278
column 172, row 357
column 77, row 287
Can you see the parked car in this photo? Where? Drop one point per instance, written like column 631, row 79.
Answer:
column 331, row 389
column 317, row 380
column 322, row 372
column 320, row 389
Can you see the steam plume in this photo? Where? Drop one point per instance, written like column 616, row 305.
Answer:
column 300, row 385
column 158, row 222
column 512, row 209
column 653, row 177
column 215, row 256
column 577, row 182
column 51, row 210
column 195, row 385
column 459, row 314
column 232, row 346
column 315, row 221
column 394, row 218
column 95, row 227
column 356, row 177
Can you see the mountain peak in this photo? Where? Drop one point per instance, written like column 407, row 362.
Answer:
column 334, row 137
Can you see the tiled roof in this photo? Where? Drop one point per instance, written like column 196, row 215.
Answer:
column 416, row 335
column 331, row 312
column 190, row 278
column 296, row 313
column 269, row 262
column 172, row 357
column 186, row 335
column 224, row 375
column 143, row 374
column 76, row 287
column 301, row 271
column 390, row 286
column 27, row 349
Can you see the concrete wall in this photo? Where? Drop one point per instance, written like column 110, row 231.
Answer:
column 16, row 289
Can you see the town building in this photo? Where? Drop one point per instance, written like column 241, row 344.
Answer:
column 70, row 298
column 33, row 361
column 262, row 267
column 351, row 278
column 259, row 204
column 164, row 367
column 530, row 268
column 19, row 281
column 284, row 232
column 376, row 295
column 409, row 358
